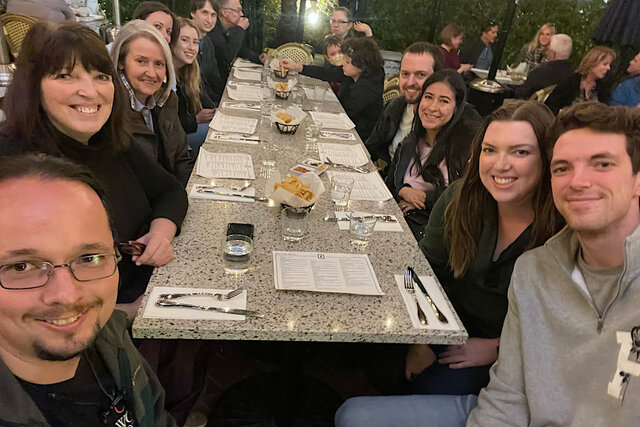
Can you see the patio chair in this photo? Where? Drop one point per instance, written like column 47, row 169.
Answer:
column 390, row 93
column 15, row 28
column 296, row 52
column 542, row 94
column 391, row 81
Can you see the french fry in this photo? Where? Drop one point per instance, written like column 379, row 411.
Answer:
column 293, row 185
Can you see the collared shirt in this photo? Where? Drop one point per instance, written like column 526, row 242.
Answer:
column 404, row 127
column 136, row 105
column 485, row 59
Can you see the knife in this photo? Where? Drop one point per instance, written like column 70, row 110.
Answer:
column 246, row 196
column 441, row 317
column 227, row 137
column 381, row 218
column 248, row 313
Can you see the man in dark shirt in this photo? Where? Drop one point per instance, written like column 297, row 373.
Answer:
column 228, row 37
column 205, row 17
column 555, row 70
column 480, row 51
column 65, row 355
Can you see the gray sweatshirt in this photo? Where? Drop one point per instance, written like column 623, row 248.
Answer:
column 559, row 362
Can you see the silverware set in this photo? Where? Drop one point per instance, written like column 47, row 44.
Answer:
column 410, row 277
column 168, row 300
column 343, row 166
column 380, row 218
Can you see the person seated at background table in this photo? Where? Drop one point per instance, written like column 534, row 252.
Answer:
column 534, row 52
column 160, row 16
column 205, row 17
column 362, row 79
column 555, row 70
column 81, row 113
column 50, row 10
column 419, row 61
column 342, row 24
column 228, row 37
column 145, row 67
column 195, row 109
column 451, row 36
column 628, row 92
column 65, row 355
column 480, row 51
column 333, row 56
column 586, row 83
column 436, row 151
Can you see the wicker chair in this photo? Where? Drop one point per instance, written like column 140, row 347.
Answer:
column 390, row 93
column 390, row 82
column 15, row 28
column 294, row 51
column 542, row 94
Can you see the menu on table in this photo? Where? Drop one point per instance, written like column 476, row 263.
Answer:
column 247, row 75
column 366, row 186
column 351, row 155
column 245, row 92
column 243, row 63
column 224, row 165
column 223, row 123
column 332, row 121
column 325, row 272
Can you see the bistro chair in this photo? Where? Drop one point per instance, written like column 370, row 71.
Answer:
column 390, row 82
column 296, row 52
column 542, row 94
column 390, row 93
column 15, row 28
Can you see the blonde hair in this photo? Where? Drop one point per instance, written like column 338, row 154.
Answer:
column 188, row 76
column 596, row 55
column 535, row 43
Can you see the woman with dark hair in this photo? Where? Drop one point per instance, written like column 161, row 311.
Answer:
column 65, row 100
column 161, row 17
column 587, row 83
column 362, row 79
column 436, row 151
column 451, row 36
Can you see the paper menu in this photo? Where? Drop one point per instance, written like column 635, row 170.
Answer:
column 351, row 155
column 245, row 92
column 332, row 121
column 224, row 165
column 438, row 298
column 223, row 123
column 311, row 94
column 366, row 186
column 243, row 63
column 325, row 272
column 247, row 75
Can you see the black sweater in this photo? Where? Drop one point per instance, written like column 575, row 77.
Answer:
column 566, row 93
column 361, row 100
column 137, row 190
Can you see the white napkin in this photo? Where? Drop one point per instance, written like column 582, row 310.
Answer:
column 380, row 226
column 210, row 196
column 154, row 312
column 438, row 299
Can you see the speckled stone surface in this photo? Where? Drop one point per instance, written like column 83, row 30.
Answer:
column 289, row 315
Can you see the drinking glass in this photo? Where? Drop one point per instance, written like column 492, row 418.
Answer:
column 268, row 158
column 361, row 227
column 294, row 225
column 318, row 94
column 236, row 253
column 341, row 187
column 311, row 141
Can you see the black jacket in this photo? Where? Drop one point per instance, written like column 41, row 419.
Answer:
column 550, row 73
column 470, row 52
column 212, row 81
column 566, row 92
column 229, row 43
column 385, row 129
column 361, row 100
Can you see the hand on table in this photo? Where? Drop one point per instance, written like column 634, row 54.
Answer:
column 205, row 115
column 411, row 199
column 291, row 65
column 243, row 23
column 475, row 352
column 465, row 67
column 419, row 358
column 262, row 57
column 158, row 240
column 361, row 27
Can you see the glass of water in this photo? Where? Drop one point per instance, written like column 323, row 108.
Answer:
column 361, row 227
column 341, row 187
column 294, row 225
column 311, row 144
column 236, row 253
column 318, row 94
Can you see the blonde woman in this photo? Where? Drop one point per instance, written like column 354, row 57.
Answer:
column 195, row 108
column 534, row 53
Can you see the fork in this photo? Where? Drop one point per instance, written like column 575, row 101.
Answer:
column 408, row 286
column 353, row 168
column 217, row 296
column 246, row 185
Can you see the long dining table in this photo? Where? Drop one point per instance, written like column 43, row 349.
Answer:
column 289, row 315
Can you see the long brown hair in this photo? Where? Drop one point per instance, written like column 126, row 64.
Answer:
column 463, row 217
column 46, row 50
column 188, row 76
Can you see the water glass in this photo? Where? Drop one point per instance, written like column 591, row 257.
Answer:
column 269, row 154
column 267, row 92
column 361, row 227
column 236, row 253
column 341, row 187
column 318, row 94
column 296, row 97
column 294, row 225
column 311, row 140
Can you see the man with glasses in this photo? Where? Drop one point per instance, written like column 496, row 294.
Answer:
column 228, row 36
column 65, row 355
column 342, row 22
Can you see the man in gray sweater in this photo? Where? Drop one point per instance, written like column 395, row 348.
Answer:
column 570, row 344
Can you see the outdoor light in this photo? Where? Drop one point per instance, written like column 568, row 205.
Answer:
column 313, row 17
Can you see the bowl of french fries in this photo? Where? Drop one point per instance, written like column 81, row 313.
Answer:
column 287, row 120
column 298, row 192
column 278, row 69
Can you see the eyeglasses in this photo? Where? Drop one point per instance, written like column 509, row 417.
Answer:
column 338, row 21
column 31, row 274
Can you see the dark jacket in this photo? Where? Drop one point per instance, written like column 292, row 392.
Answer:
column 458, row 142
column 229, row 43
column 168, row 142
column 187, row 117
column 212, row 81
column 479, row 296
column 550, row 73
column 361, row 100
column 470, row 52
column 566, row 93
column 131, row 373
column 385, row 129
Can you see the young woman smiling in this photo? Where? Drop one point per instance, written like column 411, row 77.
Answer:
column 195, row 108
column 436, row 151
column 534, row 53
column 145, row 66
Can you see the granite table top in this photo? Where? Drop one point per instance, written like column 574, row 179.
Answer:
column 289, row 315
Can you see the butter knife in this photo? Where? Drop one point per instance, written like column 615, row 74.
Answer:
column 246, row 196
column 381, row 218
column 248, row 313
column 441, row 317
